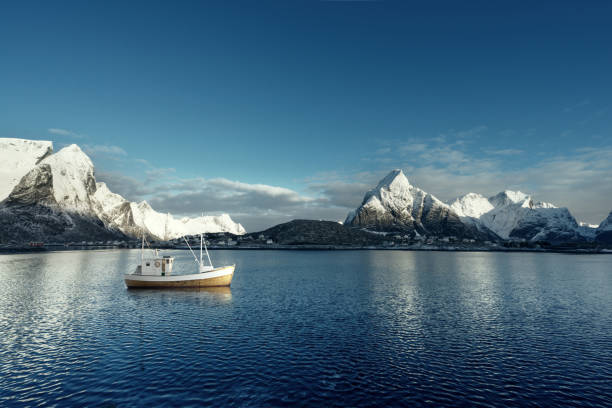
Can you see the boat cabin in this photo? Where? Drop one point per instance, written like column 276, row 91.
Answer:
column 158, row 266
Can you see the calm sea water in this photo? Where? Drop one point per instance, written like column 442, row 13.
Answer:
column 354, row 328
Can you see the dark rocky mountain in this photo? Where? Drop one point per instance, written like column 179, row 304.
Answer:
column 311, row 232
column 604, row 231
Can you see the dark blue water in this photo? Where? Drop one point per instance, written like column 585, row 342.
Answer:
column 355, row 328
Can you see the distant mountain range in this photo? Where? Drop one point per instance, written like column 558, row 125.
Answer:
column 396, row 205
column 48, row 196
column 54, row 197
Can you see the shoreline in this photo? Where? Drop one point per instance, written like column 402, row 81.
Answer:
column 576, row 251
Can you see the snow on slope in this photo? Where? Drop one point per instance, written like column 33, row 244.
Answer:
column 105, row 199
column 508, row 197
column 165, row 226
column 211, row 223
column 134, row 218
column 509, row 207
column 471, row 205
column 17, row 158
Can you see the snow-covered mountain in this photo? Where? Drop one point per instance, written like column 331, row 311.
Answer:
column 32, row 213
column 514, row 215
column 60, row 190
column 395, row 204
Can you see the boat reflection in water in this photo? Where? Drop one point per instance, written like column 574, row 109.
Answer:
column 215, row 295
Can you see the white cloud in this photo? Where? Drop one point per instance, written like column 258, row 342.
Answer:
column 256, row 206
column 128, row 187
column 262, row 189
column 463, row 134
column 110, row 150
column 578, row 105
column 412, row 147
column 64, row 132
column 505, row 152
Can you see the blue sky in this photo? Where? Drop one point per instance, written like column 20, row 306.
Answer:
column 276, row 110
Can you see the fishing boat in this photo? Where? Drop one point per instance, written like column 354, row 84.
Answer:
column 156, row 271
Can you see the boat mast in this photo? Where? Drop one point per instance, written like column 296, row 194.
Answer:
column 142, row 249
column 192, row 253
column 205, row 248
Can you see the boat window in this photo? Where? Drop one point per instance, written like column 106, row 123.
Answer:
column 148, row 264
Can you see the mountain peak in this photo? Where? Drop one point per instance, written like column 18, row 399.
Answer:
column 144, row 205
column 396, row 205
column 507, row 197
column 73, row 149
column 394, row 180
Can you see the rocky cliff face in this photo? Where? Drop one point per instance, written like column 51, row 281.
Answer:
column 396, row 205
column 36, row 188
column 604, row 231
column 56, row 198
column 17, row 158
column 31, row 213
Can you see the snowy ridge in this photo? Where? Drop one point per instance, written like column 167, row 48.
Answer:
column 514, row 215
column 17, row 157
column 64, row 182
column 134, row 218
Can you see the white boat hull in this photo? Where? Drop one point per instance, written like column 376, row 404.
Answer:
column 216, row 277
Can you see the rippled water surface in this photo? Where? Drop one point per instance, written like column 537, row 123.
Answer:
column 353, row 328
